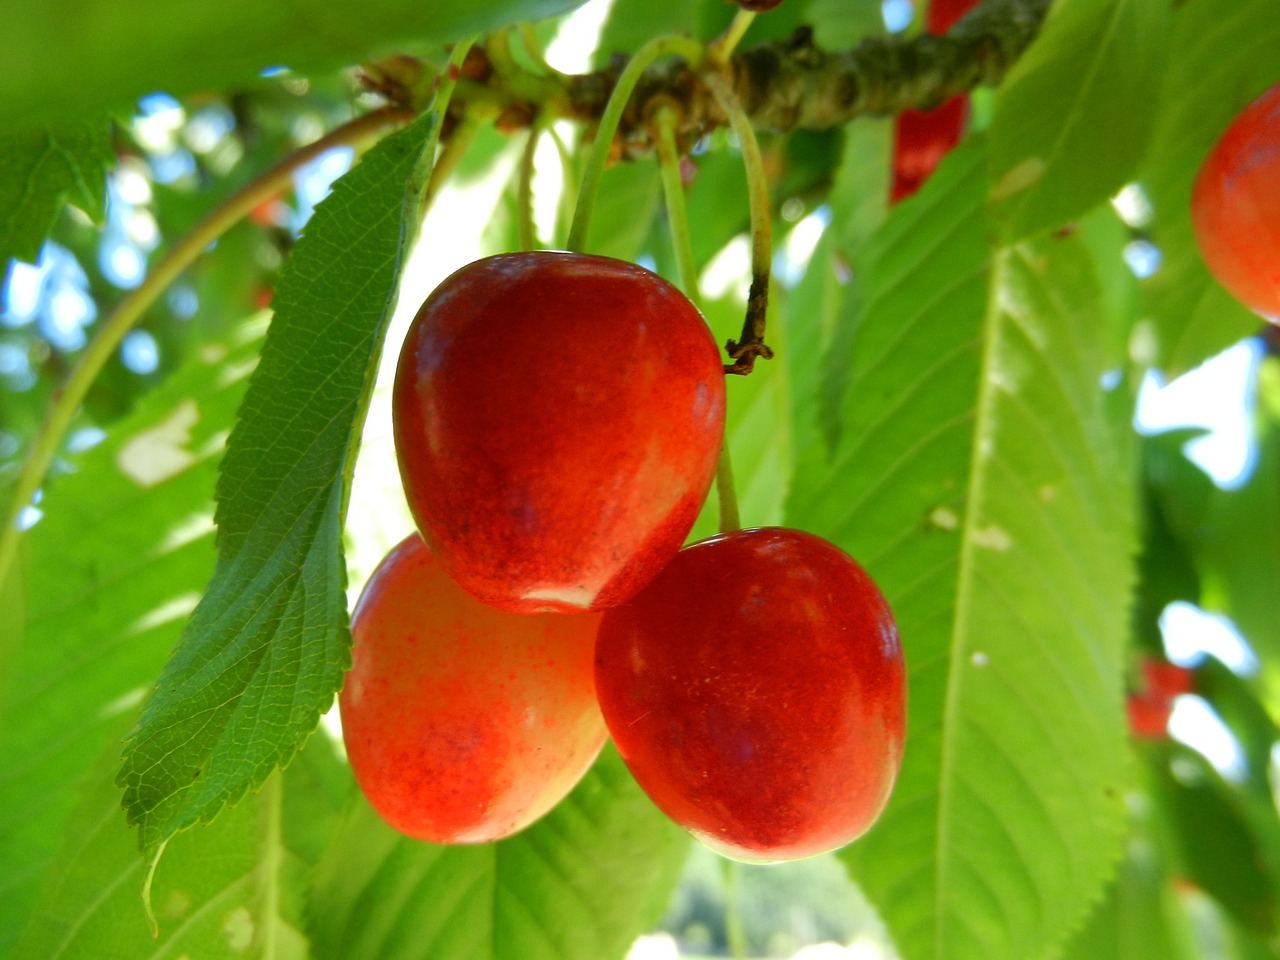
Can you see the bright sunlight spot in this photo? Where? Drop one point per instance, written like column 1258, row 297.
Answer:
column 729, row 271
column 1217, row 396
column 897, row 14
column 579, row 35
column 1196, row 724
column 1190, row 634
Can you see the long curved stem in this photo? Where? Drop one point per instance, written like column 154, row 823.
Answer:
column 526, row 232
column 678, row 220
column 71, row 394
column 751, row 344
column 718, row 51
column 599, row 156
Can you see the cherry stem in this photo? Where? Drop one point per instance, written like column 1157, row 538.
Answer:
column 525, row 231
column 678, row 223
column 750, row 344
column 719, row 50
column 71, row 394
column 693, row 52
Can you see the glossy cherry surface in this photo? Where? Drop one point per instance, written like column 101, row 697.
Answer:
column 1235, row 207
column 557, row 417
column 756, row 691
column 463, row 723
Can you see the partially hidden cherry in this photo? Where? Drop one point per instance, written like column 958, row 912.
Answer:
column 1235, row 207
column 557, row 419
column 464, row 724
column 921, row 138
column 756, row 691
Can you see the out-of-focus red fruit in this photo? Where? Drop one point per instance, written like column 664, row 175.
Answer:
column 1235, row 207
column 463, row 724
column 557, row 418
column 756, row 691
column 922, row 138
column 1149, row 708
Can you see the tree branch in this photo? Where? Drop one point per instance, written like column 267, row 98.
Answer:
column 783, row 84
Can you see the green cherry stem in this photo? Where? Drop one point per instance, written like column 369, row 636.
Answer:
column 751, row 343
column 71, row 394
column 525, row 231
column 678, row 222
column 719, row 50
column 693, row 52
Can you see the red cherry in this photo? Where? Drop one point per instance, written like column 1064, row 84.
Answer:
column 920, row 140
column 1235, row 207
column 463, row 724
column 1148, row 716
column 756, row 691
column 557, row 419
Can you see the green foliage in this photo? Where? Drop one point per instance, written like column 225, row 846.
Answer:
column 266, row 648
column 951, row 402
column 1096, row 66
column 122, row 50
column 39, row 168
column 579, row 884
column 110, row 573
column 1219, row 60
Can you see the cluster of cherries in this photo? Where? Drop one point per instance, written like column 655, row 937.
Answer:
column 558, row 420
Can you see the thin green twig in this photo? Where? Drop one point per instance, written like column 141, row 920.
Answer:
column 692, row 51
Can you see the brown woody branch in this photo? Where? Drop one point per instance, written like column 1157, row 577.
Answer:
column 783, row 84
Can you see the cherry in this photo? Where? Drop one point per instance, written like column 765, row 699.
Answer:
column 921, row 138
column 463, row 724
column 1235, row 207
column 558, row 418
column 1149, row 707
column 755, row 689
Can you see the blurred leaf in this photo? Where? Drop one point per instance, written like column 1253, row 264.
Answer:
column 632, row 23
column 1097, row 65
column 109, row 574
column 1240, row 561
column 1221, row 57
column 265, row 650
column 1228, row 842
column 580, row 884
column 1234, row 700
column 628, row 199
column 1140, row 917
column 39, row 169
column 122, row 50
column 981, row 478
column 223, row 891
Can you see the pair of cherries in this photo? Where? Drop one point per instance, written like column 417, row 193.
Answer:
column 558, row 419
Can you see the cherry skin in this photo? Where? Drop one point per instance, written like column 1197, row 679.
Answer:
column 756, row 691
column 557, row 418
column 921, row 138
column 463, row 724
column 1235, row 207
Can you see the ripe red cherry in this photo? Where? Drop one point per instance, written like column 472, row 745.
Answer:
column 1235, row 207
column 463, row 724
column 921, row 138
column 557, row 419
column 755, row 690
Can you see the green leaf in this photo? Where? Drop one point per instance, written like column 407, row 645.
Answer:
column 1228, row 841
column 1096, row 66
column 580, row 884
column 227, row 890
column 266, row 648
column 1221, row 57
column 41, row 168
column 107, row 578
column 981, row 479
column 1140, row 918
column 120, row 50
column 1237, row 553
